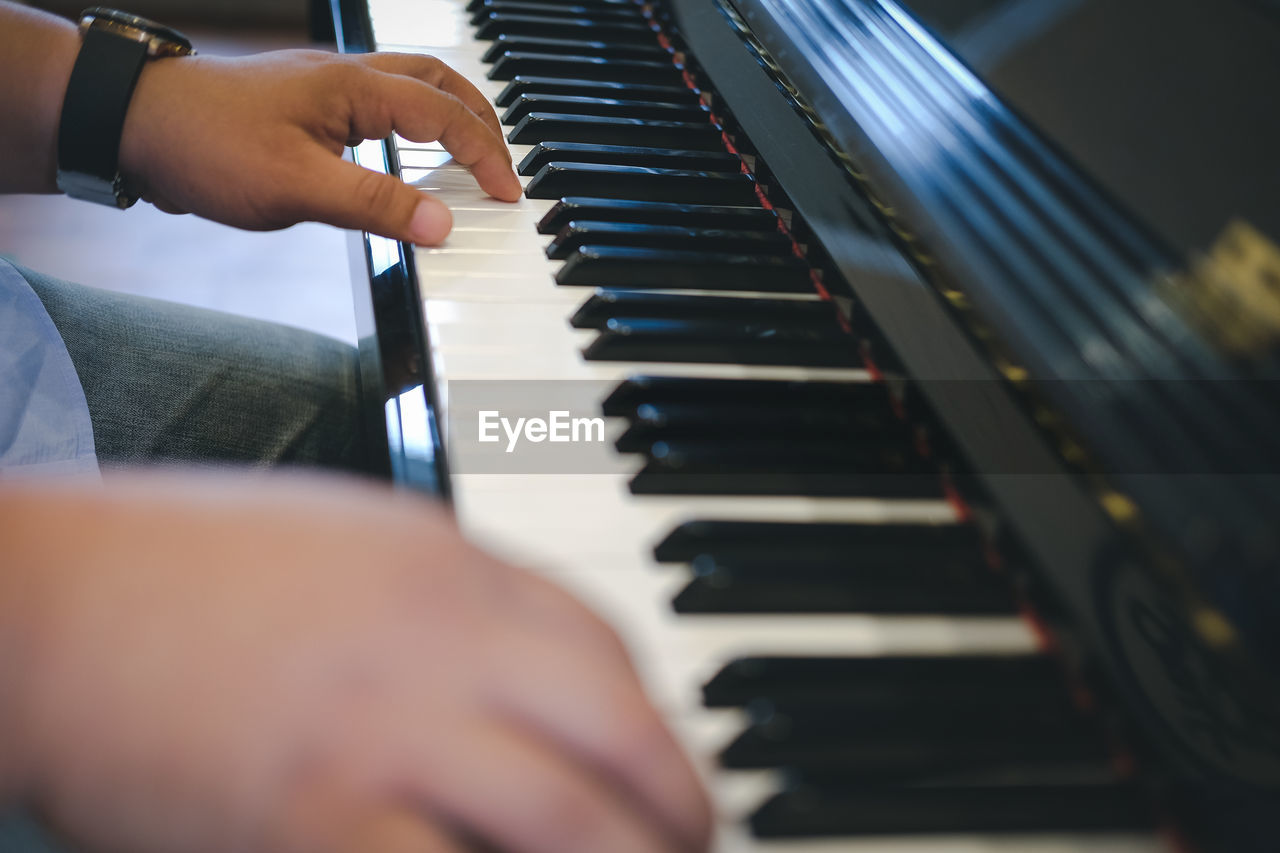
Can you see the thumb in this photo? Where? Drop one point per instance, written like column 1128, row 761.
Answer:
column 325, row 816
column 397, row 831
column 344, row 194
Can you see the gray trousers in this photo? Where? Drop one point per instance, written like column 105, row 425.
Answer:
column 172, row 383
column 169, row 383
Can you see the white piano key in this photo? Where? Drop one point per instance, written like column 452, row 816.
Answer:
column 403, row 144
column 577, row 521
column 473, row 199
column 422, row 158
column 677, row 654
column 458, row 279
column 416, row 161
column 449, row 255
column 577, row 494
column 481, row 239
column 499, row 216
column 519, row 152
column 515, row 265
column 423, row 24
column 483, row 353
column 457, row 184
column 541, row 317
column 502, row 362
column 504, row 317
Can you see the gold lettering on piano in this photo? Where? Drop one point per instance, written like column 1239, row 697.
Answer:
column 1014, row 373
column 1119, row 507
column 1073, row 453
column 957, row 298
column 1214, row 628
column 1232, row 293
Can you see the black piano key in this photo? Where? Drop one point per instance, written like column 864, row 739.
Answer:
column 661, row 420
column 865, row 541
column 699, row 135
column 962, row 568
column 607, row 303
column 627, row 155
column 1051, row 715
column 556, row 10
column 511, row 65
column 911, row 755
column 812, row 811
column 916, row 746
column 523, row 84
column 586, row 232
column 474, row 6
column 658, row 478
column 863, row 397
column 738, row 217
column 816, row 469
column 616, row 107
column 1073, row 743
column 570, row 46
column 619, row 266
column 887, row 685
column 789, row 586
column 730, row 455
column 498, row 24
column 651, row 422
column 721, row 342
column 638, row 183
column 1094, row 766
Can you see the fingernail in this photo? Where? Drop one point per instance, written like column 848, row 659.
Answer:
column 513, row 190
column 431, row 223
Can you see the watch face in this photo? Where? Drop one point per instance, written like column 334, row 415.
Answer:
column 160, row 40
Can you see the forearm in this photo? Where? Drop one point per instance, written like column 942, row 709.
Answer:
column 26, row 516
column 37, row 51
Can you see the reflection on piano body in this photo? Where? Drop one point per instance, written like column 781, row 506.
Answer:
column 933, row 519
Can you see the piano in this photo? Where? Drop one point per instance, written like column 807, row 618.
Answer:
column 917, row 435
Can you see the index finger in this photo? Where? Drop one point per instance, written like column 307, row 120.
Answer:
column 422, row 113
column 437, row 73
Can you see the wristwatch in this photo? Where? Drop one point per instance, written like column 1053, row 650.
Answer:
column 113, row 49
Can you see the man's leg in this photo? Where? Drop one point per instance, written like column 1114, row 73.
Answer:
column 167, row 382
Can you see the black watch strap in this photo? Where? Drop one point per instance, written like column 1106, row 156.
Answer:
column 93, row 112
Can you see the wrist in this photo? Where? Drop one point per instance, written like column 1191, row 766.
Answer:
column 144, row 123
column 115, row 48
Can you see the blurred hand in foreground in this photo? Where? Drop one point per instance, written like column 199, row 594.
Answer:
column 196, row 663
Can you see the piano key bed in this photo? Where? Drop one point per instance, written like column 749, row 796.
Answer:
column 821, row 617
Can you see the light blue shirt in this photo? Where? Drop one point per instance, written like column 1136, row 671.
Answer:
column 44, row 421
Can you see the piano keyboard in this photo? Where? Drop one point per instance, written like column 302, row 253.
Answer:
column 792, row 616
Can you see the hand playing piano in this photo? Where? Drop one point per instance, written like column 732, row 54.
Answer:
column 256, row 142
column 341, row 673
